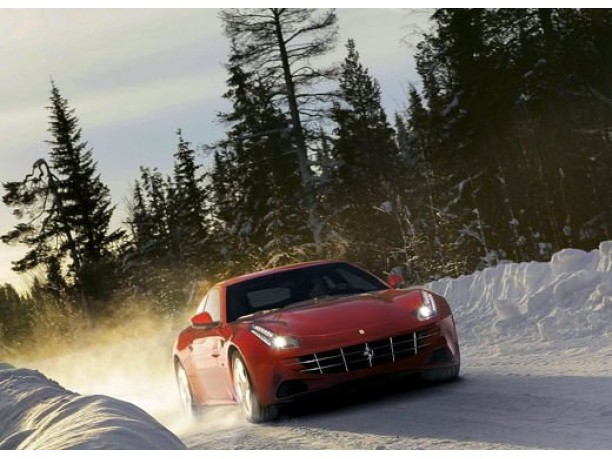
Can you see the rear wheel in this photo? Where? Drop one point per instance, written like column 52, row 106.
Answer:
column 185, row 394
column 246, row 395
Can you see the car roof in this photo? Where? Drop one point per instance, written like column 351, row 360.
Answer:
column 266, row 272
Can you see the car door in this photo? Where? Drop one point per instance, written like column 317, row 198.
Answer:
column 207, row 353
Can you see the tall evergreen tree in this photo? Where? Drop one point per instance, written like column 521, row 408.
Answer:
column 168, row 251
column 14, row 317
column 364, row 149
column 69, row 206
column 367, row 164
column 255, row 180
column 515, row 103
column 277, row 45
column 154, row 266
column 187, row 206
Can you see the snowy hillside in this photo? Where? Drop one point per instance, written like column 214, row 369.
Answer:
column 37, row 413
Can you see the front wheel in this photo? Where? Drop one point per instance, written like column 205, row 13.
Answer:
column 185, row 394
column 246, row 395
column 439, row 375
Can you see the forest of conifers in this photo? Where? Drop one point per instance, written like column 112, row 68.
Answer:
column 503, row 153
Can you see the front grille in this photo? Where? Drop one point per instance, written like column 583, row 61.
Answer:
column 366, row 355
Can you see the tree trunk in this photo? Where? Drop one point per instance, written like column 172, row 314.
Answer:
column 314, row 223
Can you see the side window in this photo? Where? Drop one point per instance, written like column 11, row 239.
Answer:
column 213, row 305
column 357, row 281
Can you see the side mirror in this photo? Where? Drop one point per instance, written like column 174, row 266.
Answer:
column 202, row 319
column 395, row 280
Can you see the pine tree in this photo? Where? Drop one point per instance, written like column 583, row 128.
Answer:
column 515, row 101
column 186, row 207
column 169, row 251
column 86, row 200
column 367, row 160
column 255, row 181
column 14, row 318
column 140, row 219
column 365, row 146
column 277, row 46
column 154, row 265
column 71, row 210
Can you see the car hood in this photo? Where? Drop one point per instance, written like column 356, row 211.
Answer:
column 367, row 311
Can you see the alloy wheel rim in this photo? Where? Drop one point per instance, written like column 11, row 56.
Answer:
column 242, row 386
column 184, row 393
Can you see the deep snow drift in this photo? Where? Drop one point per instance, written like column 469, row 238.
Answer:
column 37, row 413
column 568, row 299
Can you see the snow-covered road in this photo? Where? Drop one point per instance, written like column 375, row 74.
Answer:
column 539, row 400
column 536, row 343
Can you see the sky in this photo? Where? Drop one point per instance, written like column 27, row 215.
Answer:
column 134, row 76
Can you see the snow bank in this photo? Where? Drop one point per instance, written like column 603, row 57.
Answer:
column 568, row 298
column 37, row 413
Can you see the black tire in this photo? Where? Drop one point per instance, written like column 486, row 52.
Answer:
column 246, row 396
column 188, row 404
column 440, row 375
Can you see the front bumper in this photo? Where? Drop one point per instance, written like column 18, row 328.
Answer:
column 293, row 375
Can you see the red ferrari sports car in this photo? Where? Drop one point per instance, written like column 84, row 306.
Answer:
column 270, row 337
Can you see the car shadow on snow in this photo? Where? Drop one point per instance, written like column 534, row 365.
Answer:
column 550, row 412
column 355, row 394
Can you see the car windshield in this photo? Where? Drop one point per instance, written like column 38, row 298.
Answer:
column 283, row 289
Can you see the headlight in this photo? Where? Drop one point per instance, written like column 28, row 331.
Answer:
column 428, row 309
column 273, row 340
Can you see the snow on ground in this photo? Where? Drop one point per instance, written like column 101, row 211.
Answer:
column 565, row 302
column 37, row 413
column 135, row 366
column 536, row 343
